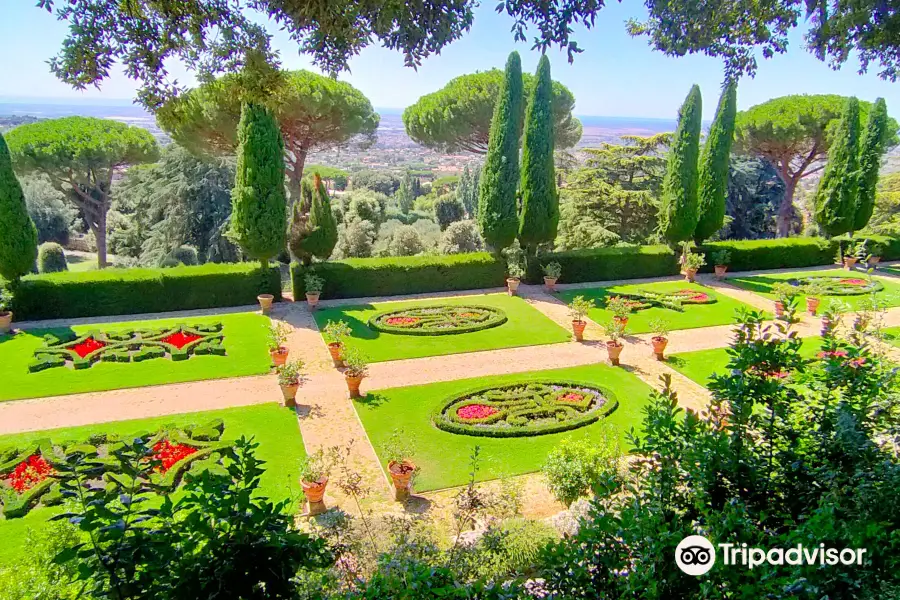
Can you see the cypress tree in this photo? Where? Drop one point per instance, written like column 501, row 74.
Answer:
column 836, row 196
column 323, row 233
column 497, row 211
column 406, row 194
column 18, row 235
column 300, row 227
column 713, row 173
column 540, row 200
column 258, row 219
column 870, row 153
column 678, row 213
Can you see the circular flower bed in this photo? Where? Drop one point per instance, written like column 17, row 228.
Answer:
column 839, row 285
column 524, row 409
column 644, row 299
column 442, row 319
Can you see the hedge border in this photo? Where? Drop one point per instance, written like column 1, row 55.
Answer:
column 801, row 281
column 498, row 318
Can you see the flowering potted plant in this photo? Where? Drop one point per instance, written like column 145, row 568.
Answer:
column 313, row 285
column 6, row 315
column 618, row 306
column 614, row 330
column 552, row 271
column 692, row 264
column 659, row 340
column 720, row 259
column 515, row 267
column 357, row 369
column 784, row 296
column 814, row 291
column 314, row 471
column 290, row 375
column 397, row 450
column 578, row 309
column 277, row 339
column 335, row 333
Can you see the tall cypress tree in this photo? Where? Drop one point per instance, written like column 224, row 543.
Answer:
column 713, row 173
column 678, row 213
column 497, row 211
column 18, row 235
column 300, row 228
column 258, row 220
column 836, row 196
column 323, row 233
column 870, row 153
column 540, row 199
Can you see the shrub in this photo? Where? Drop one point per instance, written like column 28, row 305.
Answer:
column 185, row 255
column 461, row 237
column 356, row 239
column 447, row 210
column 575, row 466
column 48, row 209
column 51, row 258
column 784, row 253
column 405, row 241
column 603, row 264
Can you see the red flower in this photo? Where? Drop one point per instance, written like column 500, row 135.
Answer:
column 402, row 321
column 30, row 472
column 168, row 454
column 693, row 296
column 852, row 281
column 856, row 362
column 475, row 411
column 571, row 397
column 84, row 348
column 180, row 339
column 833, row 354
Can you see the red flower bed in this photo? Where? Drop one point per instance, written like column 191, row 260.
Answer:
column 852, row 281
column 833, row 354
column 402, row 321
column 693, row 296
column 30, row 472
column 180, row 339
column 168, row 454
column 84, row 348
column 572, row 397
column 475, row 411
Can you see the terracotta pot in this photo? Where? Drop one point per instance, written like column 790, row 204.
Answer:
column 659, row 346
column 720, row 271
column 621, row 320
column 689, row 274
column 578, row 330
column 779, row 308
column 614, row 349
column 290, row 394
column 550, row 283
column 812, row 305
column 314, row 490
column 874, row 260
column 337, row 353
column 312, row 299
column 265, row 302
column 849, row 262
column 353, row 383
column 280, row 356
column 512, row 284
column 401, row 473
column 6, row 321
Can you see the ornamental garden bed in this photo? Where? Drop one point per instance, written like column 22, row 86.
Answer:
column 442, row 456
column 683, row 305
column 50, row 362
column 850, row 287
column 272, row 426
column 414, row 329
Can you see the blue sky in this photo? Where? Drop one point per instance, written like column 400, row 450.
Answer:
column 615, row 76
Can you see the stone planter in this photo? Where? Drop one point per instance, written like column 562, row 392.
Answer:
column 812, row 305
column 401, row 474
column 512, row 284
column 720, row 271
column 690, row 274
column 849, row 262
column 6, row 318
column 614, row 349
column 353, row 383
column 280, row 356
column 550, row 284
column 290, row 394
column 312, row 299
column 315, row 493
column 659, row 346
column 265, row 302
column 336, row 349
column 578, row 330
column 779, row 309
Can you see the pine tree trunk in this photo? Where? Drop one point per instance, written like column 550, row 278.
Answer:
column 98, row 225
column 786, row 210
column 295, row 174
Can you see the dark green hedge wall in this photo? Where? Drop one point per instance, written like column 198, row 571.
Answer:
column 604, row 264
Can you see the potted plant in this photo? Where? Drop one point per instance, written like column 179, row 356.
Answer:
column 614, row 330
column 578, row 309
column 290, row 375
column 850, row 258
column 720, row 259
column 515, row 267
column 814, row 292
column 552, row 271
column 335, row 334
column 659, row 340
column 784, row 295
column 277, row 339
column 618, row 306
column 692, row 264
column 872, row 257
column 313, row 285
column 397, row 450
column 265, row 302
column 314, row 471
column 357, row 369
column 6, row 315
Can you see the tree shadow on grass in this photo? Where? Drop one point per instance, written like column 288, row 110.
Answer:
column 759, row 283
column 372, row 400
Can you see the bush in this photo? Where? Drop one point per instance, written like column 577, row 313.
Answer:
column 783, row 253
column 603, row 264
column 447, row 210
column 575, row 466
column 51, row 258
column 48, row 209
column 185, row 255
column 405, row 241
column 461, row 237
column 131, row 291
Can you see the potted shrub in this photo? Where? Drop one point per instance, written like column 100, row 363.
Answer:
column 720, row 259
column 814, row 292
column 515, row 267
column 871, row 257
column 659, row 340
column 313, row 285
column 335, row 334
column 784, row 296
column 614, row 330
column 265, row 302
column 552, row 271
column 290, row 376
column 619, row 308
column 357, row 370
column 277, row 340
column 6, row 315
column 397, row 450
column 850, row 258
column 692, row 264
column 314, row 471
column 578, row 310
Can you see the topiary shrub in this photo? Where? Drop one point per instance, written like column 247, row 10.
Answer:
column 51, row 258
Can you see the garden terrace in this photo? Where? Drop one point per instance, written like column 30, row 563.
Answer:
column 852, row 293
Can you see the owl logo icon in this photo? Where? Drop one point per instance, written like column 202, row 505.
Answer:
column 695, row 555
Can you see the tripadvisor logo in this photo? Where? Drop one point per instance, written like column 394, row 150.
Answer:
column 696, row 555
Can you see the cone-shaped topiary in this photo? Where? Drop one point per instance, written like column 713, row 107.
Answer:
column 497, row 211
column 871, row 150
column 322, row 236
column 258, row 220
column 18, row 235
column 836, row 196
column 713, row 172
column 678, row 213
column 51, row 258
column 540, row 200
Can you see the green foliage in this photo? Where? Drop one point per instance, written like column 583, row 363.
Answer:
column 871, row 151
column 448, row 210
column 539, row 216
column 497, row 211
column 133, row 291
column 18, row 235
column 406, row 194
column 338, row 178
column 512, row 547
column 48, row 209
column 714, row 163
column 836, row 196
column 678, row 213
column 51, row 258
column 603, row 264
column 378, row 181
column 356, row 239
column 467, row 191
column 755, row 194
column 887, row 206
column 184, row 255
column 323, row 233
column 258, row 220
column 575, row 466
column 35, row 576
column 461, row 237
column 365, row 205
column 750, row 255
column 405, row 241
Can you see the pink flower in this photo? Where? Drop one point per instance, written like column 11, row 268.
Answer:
column 853, row 281
column 475, row 411
column 833, row 354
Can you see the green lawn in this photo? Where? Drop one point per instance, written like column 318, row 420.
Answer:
column 721, row 312
column 443, row 457
column 762, row 284
column 703, row 364
column 526, row 326
column 273, row 426
column 245, row 343
column 892, row 336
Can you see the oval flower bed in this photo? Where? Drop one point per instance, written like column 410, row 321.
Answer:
column 441, row 319
column 836, row 285
column 524, row 409
column 643, row 299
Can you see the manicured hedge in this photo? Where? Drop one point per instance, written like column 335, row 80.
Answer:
column 133, row 291
column 604, row 264
column 787, row 253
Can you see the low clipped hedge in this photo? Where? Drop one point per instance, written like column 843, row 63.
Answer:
column 133, row 291
column 760, row 255
column 604, row 264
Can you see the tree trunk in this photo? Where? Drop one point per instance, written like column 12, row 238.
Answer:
column 296, row 159
column 98, row 226
column 786, row 210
